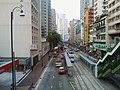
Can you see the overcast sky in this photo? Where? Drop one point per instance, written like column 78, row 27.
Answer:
column 69, row 7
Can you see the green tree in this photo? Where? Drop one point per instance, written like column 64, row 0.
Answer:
column 53, row 38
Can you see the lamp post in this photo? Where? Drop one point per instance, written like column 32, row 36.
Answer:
column 12, row 52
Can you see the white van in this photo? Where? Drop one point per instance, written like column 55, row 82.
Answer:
column 71, row 56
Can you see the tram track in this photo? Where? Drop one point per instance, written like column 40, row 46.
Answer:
column 86, row 79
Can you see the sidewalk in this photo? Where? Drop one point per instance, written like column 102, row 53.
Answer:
column 31, row 80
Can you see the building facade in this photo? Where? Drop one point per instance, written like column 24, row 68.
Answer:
column 88, row 20
column 53, row 19
column 72, row 31
column 101, row 43
column 62, row 23
column 45, row 17
column 98, row 7
column 114, row 21
column 49, row 16
column 26, row 30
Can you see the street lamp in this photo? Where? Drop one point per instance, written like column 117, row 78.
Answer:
column 12, row 52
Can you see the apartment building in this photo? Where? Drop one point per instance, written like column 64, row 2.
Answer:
column 77, row 30
column 62, row 23
column 45, row 17
column 98, row 7
column 88, row 20
column 26, row 30
column 49, row 16
column 101, row 43
column 53, row 19
column 72, row 30
column 114, row 21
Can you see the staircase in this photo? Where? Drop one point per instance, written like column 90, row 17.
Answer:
column 110, row 64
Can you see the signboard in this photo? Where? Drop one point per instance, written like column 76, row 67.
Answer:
column 33, row 48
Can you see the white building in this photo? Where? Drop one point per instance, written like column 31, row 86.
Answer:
column 62, row 27
column 114, row 21
column 53, row 19
column 98, row 7
column 26, row 30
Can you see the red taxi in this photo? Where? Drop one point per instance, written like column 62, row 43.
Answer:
column 61, row 70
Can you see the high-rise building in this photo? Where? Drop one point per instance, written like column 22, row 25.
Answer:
column 98, row 7
column 45, row 17
column 114, row 21
column 83, row 5
column 49, row 16
column 101, row 42
column 88, row 20
column 72, row 30
column 105, row 7
column 53, row 19
column 62, row 23
column 26, row 30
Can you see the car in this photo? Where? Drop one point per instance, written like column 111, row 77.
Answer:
column 71, row 54
column 76, row 50
column 61, row 70
column 72, row 59
column 58, row 62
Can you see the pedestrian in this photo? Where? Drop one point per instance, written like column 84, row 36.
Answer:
column 32, row 67
column 50, row 55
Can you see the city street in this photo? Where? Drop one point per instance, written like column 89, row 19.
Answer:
column 85, row 80
column 82, row 79
column 53, row 81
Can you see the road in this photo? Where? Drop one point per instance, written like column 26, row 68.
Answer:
column 85, row 80
column 82, row 79
column 53, row 81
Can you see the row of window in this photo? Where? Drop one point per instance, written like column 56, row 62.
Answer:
column 34, row 39
column 113, row 3
column 35, row 20
column 34, row 30
column 114, row 19
column 35, row 3
column 100, row 37
column 114, row 11
column 102, row 30
column 114, row 27
column 34, row 11
column 101, row 23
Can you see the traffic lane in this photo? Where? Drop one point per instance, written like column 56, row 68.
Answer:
column 52, row 80
column 48, row 76
column 86, row 73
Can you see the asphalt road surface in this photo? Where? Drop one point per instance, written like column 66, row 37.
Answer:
column 82, row 79
column 53, row 81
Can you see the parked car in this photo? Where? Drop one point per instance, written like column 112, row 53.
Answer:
column 61, row 70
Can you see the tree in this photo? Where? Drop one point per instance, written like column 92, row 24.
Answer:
column 53, row 38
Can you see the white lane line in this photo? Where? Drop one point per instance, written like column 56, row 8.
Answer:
column 53, row 76
column 51, row 87
column 72, row 85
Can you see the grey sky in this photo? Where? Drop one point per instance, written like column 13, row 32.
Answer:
column 69, row 7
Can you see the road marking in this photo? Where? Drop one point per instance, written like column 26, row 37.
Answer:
column 53, row 76
column 72, row 85
column 51, row 87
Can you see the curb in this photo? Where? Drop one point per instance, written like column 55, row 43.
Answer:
column 41, row 77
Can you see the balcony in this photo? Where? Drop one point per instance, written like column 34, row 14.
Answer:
column 114, row 31
column 99, row 40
